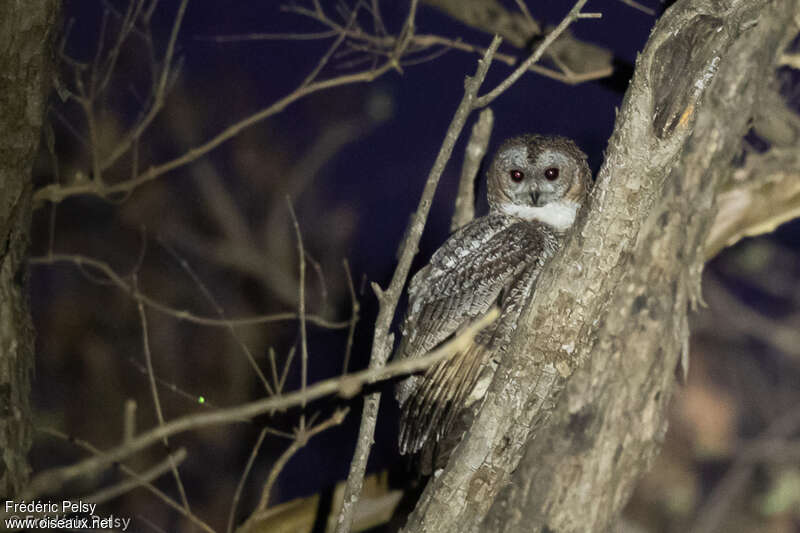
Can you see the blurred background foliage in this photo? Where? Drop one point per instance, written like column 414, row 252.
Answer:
column 215, row 236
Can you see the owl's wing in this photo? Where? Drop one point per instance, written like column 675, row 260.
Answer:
column 459, row 284
column 463, row 280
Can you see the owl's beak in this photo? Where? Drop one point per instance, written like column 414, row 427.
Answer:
column 535, row 198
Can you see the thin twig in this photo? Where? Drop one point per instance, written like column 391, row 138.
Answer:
column 240, row 486
column 571, row 17
column 436, row 54
column 302, row 437
column 56, row 193
column 473, row 156
column 129, row 420
column 564, row 77
column 273, row 366
column 301, row 308
column 331, row 49
column 85, row 445
column 380, row 28
column 115, row 491
column 286, row 366
column 527, row 14
column 181, row 314
column 171, row 386
column 636, row 5
column 159, row 94
column 154, row 393
column 397, row 47
column 143, row 479
column 127, row 28
column 377, row 45
column 347, row 386
column 246, row 37
column 218, row 308
column 323, row 287
column 355, row 309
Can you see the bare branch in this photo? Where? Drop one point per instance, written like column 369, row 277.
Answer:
column 523, row 8
column 156, row 401
column 346, row 386
column 339, row 40
column 159, row 95
column 490, row 16
column 473, row 156
column 56, row 193
column 131, row 473
column 355, row 307
column 129, row 420
column 571, row 17
column 246, row 37
column 302, row 436
column 301, row 309
column 218, row 308
column 764, row 194
column 240, row 486
column 636, row 5
column 115, row 491
column 180, row 314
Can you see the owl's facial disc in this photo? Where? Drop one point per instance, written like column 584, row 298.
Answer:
column 539, row 178
column 533, row 183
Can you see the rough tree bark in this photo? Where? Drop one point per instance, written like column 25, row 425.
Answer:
column 576, row 413
column 25, row 28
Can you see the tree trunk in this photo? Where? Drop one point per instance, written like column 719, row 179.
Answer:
column 25, row 76
column 577, row 411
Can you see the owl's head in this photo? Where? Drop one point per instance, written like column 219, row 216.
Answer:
column 535, row 177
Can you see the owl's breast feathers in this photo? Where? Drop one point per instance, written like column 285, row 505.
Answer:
column 493, row 260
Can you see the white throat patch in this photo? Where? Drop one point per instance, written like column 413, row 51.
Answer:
column 558, row 215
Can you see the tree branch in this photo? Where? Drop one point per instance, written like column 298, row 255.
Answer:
column 56, row 193
column 490, row 16
column 181, row 314
column 478, row 142
column 571, row 17
column 765, row 191
column 577, row 60
column 138, row 477
column 346, row 386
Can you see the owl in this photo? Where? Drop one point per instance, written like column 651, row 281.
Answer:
column 536, row 185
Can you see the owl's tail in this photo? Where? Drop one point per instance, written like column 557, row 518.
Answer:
column 428, row 414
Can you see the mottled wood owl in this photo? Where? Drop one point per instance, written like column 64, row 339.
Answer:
column 536, row 185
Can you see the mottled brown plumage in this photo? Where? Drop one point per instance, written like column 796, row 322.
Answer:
column 535, row 186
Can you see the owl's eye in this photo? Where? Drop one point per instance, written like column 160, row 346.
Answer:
column 551, row 173
column 517, row 175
